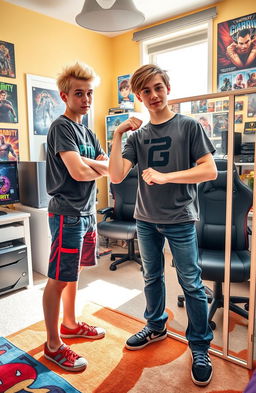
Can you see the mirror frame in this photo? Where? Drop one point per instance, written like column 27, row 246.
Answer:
column 248, row 363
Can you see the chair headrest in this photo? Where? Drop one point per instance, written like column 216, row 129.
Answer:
column 219, row 183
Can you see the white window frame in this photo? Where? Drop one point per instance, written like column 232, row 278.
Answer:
column 145, row 58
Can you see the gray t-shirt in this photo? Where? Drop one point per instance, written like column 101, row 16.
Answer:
column 70, row 197
column 172, row 146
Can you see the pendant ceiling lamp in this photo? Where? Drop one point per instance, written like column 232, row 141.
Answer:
column 119, row 15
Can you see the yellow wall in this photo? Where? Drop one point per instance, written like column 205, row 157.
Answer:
column 43, row 45
column 126, row 53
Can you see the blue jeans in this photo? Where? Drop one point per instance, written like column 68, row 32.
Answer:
column 182, row 239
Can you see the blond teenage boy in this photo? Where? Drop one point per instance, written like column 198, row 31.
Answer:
column 173, row 154
column 74, row 161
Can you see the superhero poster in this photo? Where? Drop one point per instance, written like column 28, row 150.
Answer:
column 47, row 106
column 236, row 64
column 21, row 373
column 9, row 189
column 7, row 60
column 8, row 103
column 9, row 144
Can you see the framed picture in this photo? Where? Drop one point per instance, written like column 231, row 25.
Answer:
column 44, row 106
column 194, row 106
column 239, row 105
column 7, row 60
column 239, row 119
column 8, row 103
column 9, row 144
column 125, row 95
column 220, row 123
column 210, row 106
column 205, row 120
column 112, row 121
column 175, row 107
column 251, row 109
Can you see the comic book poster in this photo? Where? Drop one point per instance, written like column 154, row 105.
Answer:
column 175, row 107
column 194, row 106
column 111, row 122
column 251, row 109
column 236, row 64
column 220, row 123
column 7, row 60
column 9, row 144
column 8, row 103
column 125, row 95
column 47, row 106
column 205, row 120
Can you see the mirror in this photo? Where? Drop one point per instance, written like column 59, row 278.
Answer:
column 229, row 121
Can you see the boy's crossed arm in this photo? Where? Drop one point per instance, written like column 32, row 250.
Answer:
column 83, row 168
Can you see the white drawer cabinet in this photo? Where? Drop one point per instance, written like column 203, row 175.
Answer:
column 15, row 226
column 40, row 237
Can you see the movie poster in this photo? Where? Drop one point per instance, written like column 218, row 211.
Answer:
column 220, row 123
column 205, row 120
column 7, row 60
column 9, row 144
column 9, row 191
column 236, row 65
column 251, row 109
column 125, row 95
column 8, row 103
column 47, row 106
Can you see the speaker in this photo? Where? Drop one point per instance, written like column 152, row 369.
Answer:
column 237, row 142
column 32, row 183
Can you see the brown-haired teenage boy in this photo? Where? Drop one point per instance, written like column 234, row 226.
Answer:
column 173, row 154
column 74, row 161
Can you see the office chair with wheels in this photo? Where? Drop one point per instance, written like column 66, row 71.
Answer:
column 118, row 222
column 211, row 238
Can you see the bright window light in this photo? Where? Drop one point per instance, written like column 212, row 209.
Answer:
column 187, row 68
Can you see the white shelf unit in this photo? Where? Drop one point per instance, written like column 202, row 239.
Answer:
column 40, row 237
column 13, row 226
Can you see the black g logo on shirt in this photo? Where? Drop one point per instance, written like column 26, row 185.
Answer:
column 158, row 153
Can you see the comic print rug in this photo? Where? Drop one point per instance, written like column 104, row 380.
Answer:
column 20, row 373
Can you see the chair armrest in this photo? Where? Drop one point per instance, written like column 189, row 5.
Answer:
column 107, row 211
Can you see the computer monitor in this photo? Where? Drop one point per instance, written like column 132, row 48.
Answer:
column 9, row 186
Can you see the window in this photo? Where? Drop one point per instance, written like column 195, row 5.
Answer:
column 182, row 47
column 185, row 57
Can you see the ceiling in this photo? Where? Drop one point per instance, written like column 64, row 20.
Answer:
column 154, row 10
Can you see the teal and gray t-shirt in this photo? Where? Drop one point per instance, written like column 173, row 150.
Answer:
column 172, row 146
column 70, row 197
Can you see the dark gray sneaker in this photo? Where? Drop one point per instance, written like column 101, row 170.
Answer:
column 201, row 372
column 144, row 337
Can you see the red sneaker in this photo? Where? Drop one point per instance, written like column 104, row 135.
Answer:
column 66, row 358
column 82, row 330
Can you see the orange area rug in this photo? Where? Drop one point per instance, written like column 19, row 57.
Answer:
column 162, row 367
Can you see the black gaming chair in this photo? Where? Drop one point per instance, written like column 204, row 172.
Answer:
column 211, row 238
column 118, row 222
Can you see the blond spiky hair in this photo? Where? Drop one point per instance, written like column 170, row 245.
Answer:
column 78, row 71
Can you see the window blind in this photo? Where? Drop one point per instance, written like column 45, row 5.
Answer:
column 172, row 25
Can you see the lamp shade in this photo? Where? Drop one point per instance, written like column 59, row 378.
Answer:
column 123, row 15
